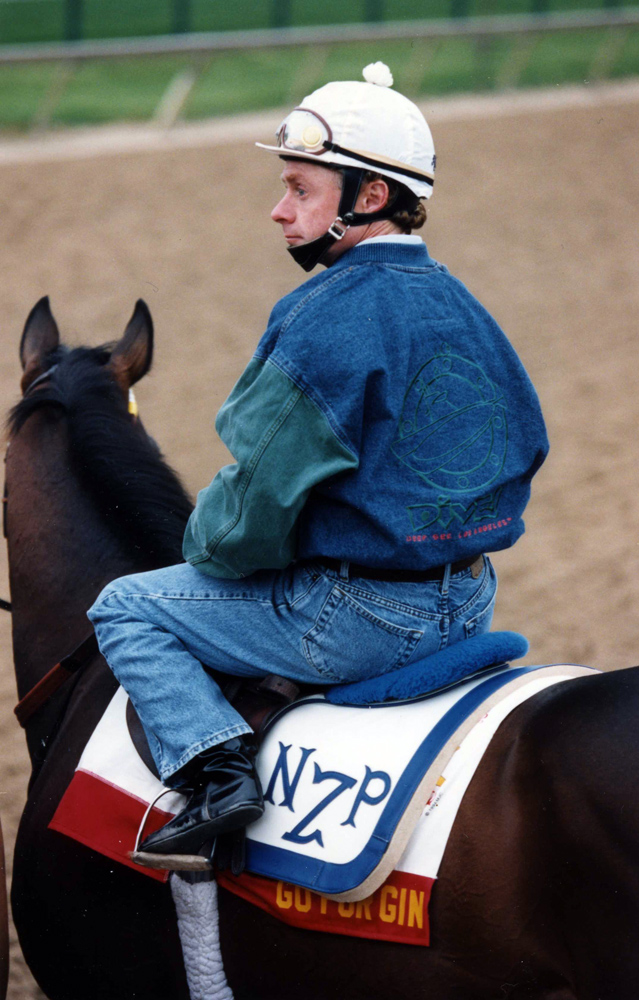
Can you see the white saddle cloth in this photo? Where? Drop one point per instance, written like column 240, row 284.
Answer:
column 352, row 793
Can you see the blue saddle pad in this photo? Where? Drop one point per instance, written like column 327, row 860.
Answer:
column 449, row 666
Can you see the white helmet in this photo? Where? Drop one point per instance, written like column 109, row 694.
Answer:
column 347, row 123
column 359, row 127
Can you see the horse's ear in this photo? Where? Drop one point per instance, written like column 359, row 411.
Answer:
column 133, row 355
column 40, row 338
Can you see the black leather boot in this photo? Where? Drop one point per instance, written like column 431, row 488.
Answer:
column 226, row 795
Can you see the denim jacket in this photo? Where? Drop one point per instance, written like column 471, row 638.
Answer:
column 385, row 419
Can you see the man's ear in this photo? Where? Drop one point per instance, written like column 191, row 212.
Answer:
column 133, row 355
column 40, row 338
column 373, row 196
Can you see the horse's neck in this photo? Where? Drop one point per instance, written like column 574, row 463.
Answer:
column 60, row 554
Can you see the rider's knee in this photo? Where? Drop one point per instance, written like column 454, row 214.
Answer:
column 110, row 599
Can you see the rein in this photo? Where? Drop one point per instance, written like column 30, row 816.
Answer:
column 54, row 679
column 5, row 605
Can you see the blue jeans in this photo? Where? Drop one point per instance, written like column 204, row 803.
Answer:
column 159, row 632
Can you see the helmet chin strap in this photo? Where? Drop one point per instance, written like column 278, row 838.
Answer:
column 307, row 255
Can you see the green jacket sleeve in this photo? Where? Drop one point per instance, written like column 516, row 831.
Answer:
column 283, row 445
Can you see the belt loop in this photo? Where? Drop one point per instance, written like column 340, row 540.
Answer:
column 343, row 569
column 477, row 567
column 446, row 578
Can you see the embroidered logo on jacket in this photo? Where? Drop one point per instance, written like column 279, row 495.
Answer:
column 453, row 434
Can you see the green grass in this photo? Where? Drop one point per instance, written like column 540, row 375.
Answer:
column 257, row 79
column 22, row 91
column 628, row 60
column 228, row 83
column 564, row 59
column 127, row 89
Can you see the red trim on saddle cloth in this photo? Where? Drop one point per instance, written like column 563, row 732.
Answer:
column 397, row 911
column 106, row 819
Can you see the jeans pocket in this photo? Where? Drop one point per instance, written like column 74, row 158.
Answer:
column 482, row 621
column 349, row 642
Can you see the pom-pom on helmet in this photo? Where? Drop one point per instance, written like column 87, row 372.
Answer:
column 359, row 127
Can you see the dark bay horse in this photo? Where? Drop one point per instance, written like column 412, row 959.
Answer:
column 538, row 894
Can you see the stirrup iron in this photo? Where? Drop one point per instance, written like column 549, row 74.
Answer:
column 170, row 862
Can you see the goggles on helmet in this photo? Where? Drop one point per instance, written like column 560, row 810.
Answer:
column 304, row 132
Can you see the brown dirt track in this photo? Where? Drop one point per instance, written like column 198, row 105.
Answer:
column 536, row 211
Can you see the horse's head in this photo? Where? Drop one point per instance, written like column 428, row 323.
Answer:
column 89, row 496
column 129, row 359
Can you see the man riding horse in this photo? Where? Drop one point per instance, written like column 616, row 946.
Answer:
column 385, row 435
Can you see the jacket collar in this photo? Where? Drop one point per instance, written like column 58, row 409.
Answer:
column 402, row 254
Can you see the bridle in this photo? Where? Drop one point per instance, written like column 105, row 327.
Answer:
column 70, row 665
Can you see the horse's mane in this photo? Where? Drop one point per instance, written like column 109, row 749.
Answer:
column 139, row 496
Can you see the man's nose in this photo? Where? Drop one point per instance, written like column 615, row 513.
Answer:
column 282, row 211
